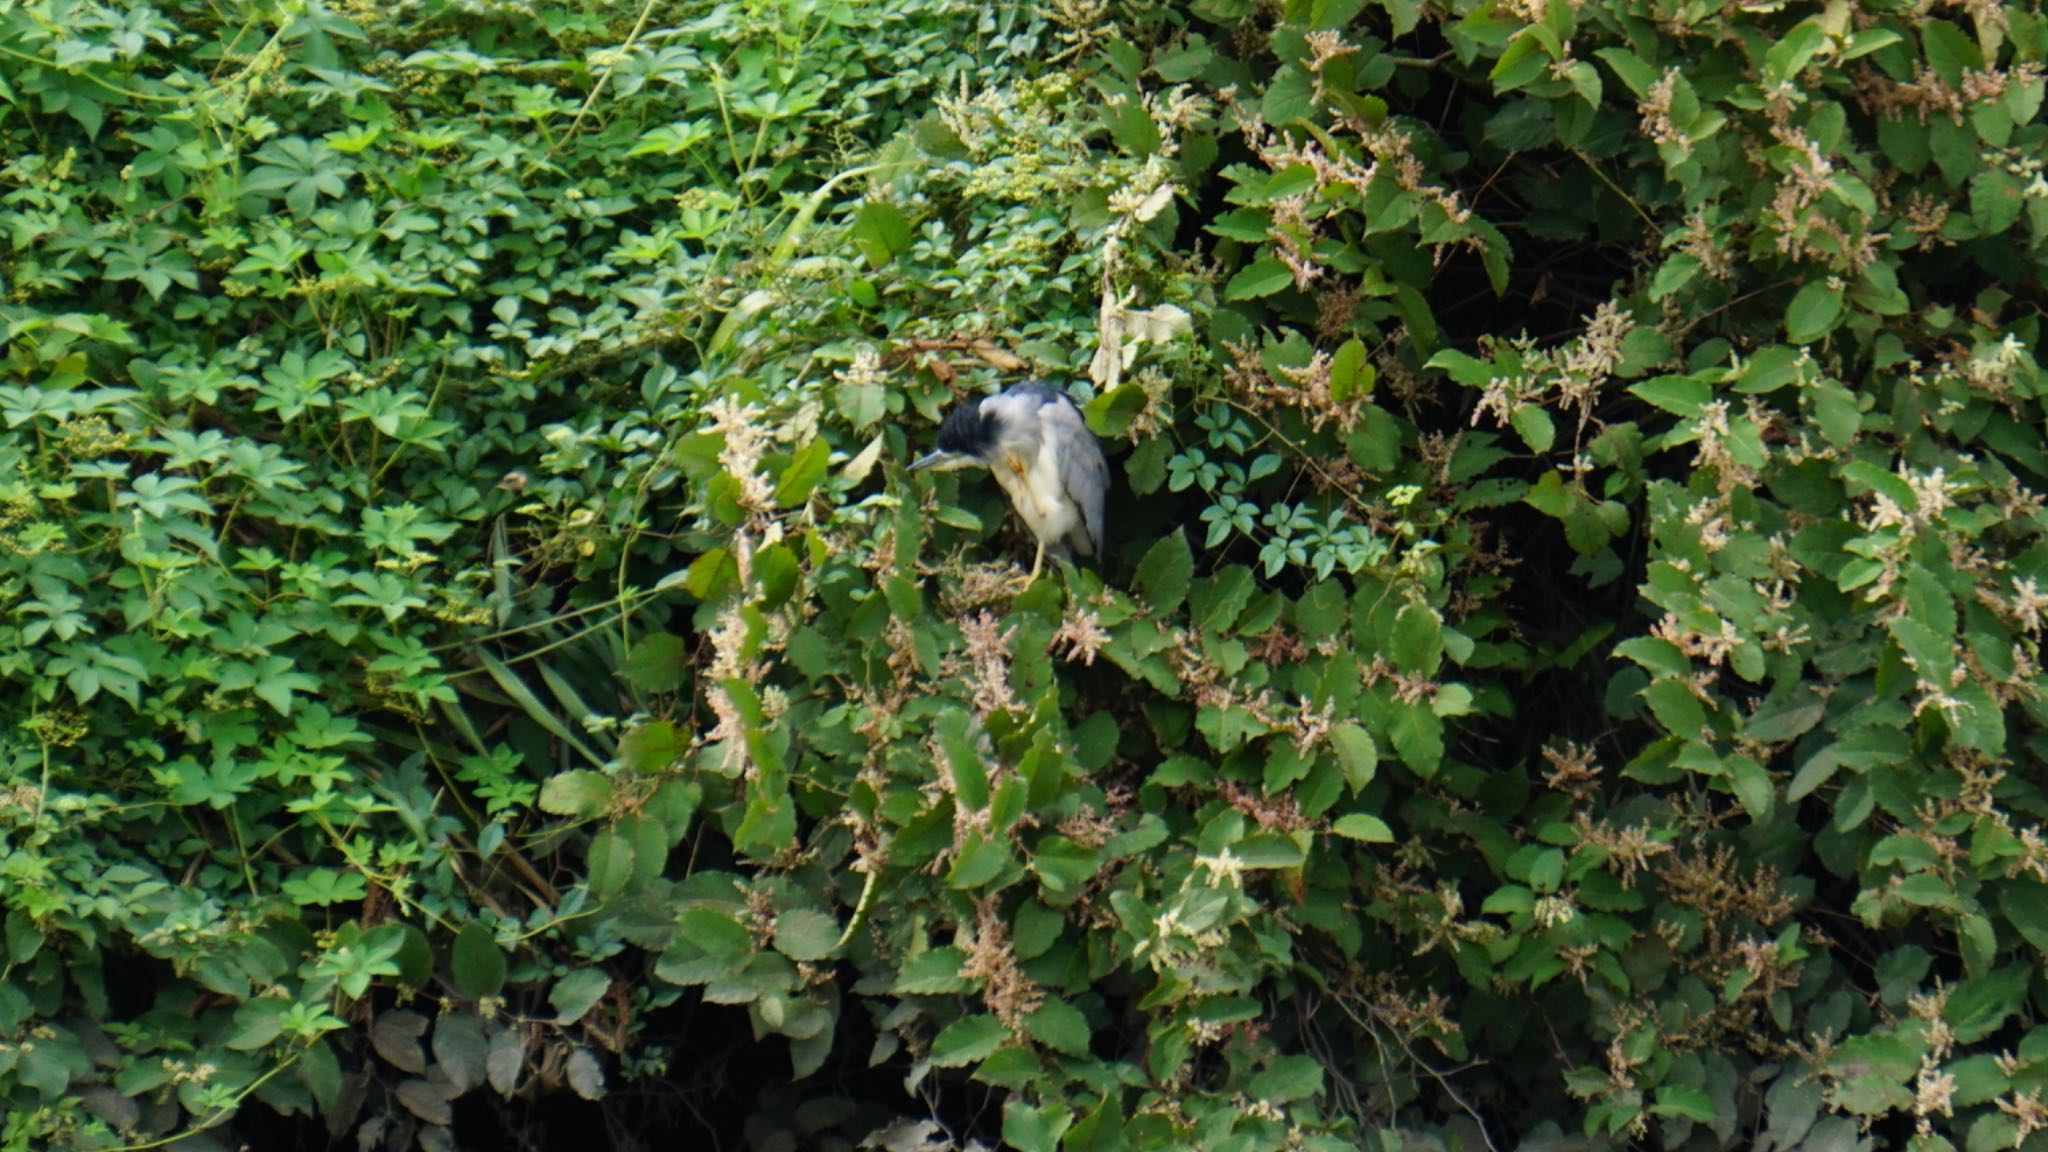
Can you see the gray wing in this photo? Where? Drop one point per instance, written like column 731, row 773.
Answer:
column 1084, row 474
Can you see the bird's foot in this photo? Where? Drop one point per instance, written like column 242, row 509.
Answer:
column 1029, row 578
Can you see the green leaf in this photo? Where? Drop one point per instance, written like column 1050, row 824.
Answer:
column 1686, row 1101
column 1257, row 279
column 1950, row 51
column 1751, row 784
column 933, row 972
column 805, row 470
column 715, row 933
column 577, row 993
column 658, row 662
column 1674, row 274
column 880, row 232
column 1059, row 1026
column 476, row 963
column 1363, row 828
column 980, row 861
column 1788, row 720
column 1535, row 426
column 1290, row 1078
column 1289, row 96
column 652, row 748
column 1220, row 598
column 1813, row 312
column 1550, row 496
column 2025, row 905
column 806, row 934
column 1996, row 197
column 1522, row 125
column 1356, row 753
column 1980, row 1006
column 1351, row 372
column 609, row 863
column 1165, row 573
column 1676, row 708
column 1836, row 411
column 1678, row 395
column 1417, row 642
column 1638, row 76
column 967, row 1040
column 578, row 793
column 1033, row 1128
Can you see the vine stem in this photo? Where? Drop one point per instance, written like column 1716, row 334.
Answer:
column 597, row 89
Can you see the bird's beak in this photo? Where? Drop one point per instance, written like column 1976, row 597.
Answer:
column 941, row 461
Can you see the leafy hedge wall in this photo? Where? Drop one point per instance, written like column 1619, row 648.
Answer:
column 1566, row 673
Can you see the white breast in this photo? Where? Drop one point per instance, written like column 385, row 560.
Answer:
column 1033, row 485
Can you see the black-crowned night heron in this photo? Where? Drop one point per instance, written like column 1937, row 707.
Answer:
column 1032, row 438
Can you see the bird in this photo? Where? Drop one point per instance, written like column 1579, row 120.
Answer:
column 1033, row 440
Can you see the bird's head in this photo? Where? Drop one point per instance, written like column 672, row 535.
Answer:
column 967, row 439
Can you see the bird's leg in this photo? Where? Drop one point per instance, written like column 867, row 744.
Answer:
column 1037, row 562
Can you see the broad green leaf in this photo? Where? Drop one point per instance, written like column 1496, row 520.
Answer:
column 1059, row 1026
column 933, row 972
column 578, row 793
column 1165, row 573
column 1813, row 313
column 806, row 934
column 1363, row 828
column 1290, row 1078
column 577, row 993
column 1356, row 753
column 1679, row 395
column 476, row 963
column 1257, row 279
column 1533, row 423
column 1683, row 1100
column 967, row 1040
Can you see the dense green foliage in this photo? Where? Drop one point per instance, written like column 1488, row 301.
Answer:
column 1566, row 673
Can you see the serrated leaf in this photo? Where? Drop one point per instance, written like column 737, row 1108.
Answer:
column 1533, row 423
column 967, row 1040
column 1257, row 279
column 1813, row 312
column 1363, row 828
column 806, row 469
column 1786, row 721
column 1417, row 642
column 426, row 1101
column 716, row 934
column 609, row 863
column 1980, row 1006
column 1678, row 395
column 659, row 662
column 585, row 1074
column 506, row 1059
column 1684, row 1100
column 980, row 861
column 933, row 972
column 396, row 1037
column 1165, row 573
column 1356, row 754
column 579, row 793
column 1059, row 1026
column 577, row 993
column 1290, row 1078
column 806, row 934
column 1674, row 274
column 1220, row 598
column 460, row 1050
column 476, row 963
column 1996, row 197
